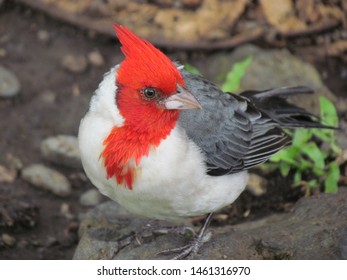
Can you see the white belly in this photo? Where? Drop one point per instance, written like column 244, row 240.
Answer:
column 171, row 181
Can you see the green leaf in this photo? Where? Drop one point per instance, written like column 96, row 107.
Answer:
column 284, row 168
column 304, row 165
column 235, row 75
column 318, row 171
column 332, row 179
column 287, row 155
column 313, row 183
column 313, row 152
column 191, row 69
column 297, row 177
column 301, row 136
column 328, row 112
column 323, row 134
column 336, row 148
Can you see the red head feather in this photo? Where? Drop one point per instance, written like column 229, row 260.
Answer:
column 145, row 125
column 145, row 65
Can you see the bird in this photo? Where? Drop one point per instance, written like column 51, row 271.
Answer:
column 168, row 144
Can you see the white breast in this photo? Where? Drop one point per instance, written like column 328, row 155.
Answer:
column 171, row 181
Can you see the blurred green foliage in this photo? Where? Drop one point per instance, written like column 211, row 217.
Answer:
column 192, row 69
column 235, row 75
column 305, row 157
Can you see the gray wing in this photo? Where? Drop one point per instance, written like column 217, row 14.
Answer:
column 231, row 130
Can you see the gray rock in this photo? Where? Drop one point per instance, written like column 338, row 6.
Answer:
column 74, row 63
column 65, row 211
column 51, row 241
column 95, row 58
column 7, row 175
column 108, row 228
column 48, row 97
column 8, row 239
column 62, row 150
column 256, row 184
column 343, row 244
column 9, row 84
column 90, row 198
column 269, row 69
column 46, row 178
column 14, row 162
column 3, row 52
column 43, row 36
column 314, row 229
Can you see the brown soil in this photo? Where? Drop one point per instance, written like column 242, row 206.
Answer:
column 40, row 229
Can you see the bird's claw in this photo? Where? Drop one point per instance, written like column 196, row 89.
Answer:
column 138, row 238
column 190, row 250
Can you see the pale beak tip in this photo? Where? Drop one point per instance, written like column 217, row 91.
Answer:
column 182, row 100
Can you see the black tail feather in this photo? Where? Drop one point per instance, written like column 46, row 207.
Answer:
column 274, row 104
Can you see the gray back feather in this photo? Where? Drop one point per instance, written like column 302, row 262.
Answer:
column 234, row 131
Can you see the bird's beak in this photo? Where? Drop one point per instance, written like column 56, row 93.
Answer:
column 181, row 100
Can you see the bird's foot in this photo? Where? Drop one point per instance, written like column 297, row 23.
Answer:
column 148, row 232
column 191, row 249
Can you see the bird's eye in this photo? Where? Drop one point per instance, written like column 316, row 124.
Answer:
column 149, row 93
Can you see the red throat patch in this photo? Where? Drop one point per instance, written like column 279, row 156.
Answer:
column 125, row 147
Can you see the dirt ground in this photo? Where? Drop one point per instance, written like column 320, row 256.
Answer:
column 40, row 228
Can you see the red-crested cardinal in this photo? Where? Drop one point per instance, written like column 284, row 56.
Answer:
column 144, row 146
